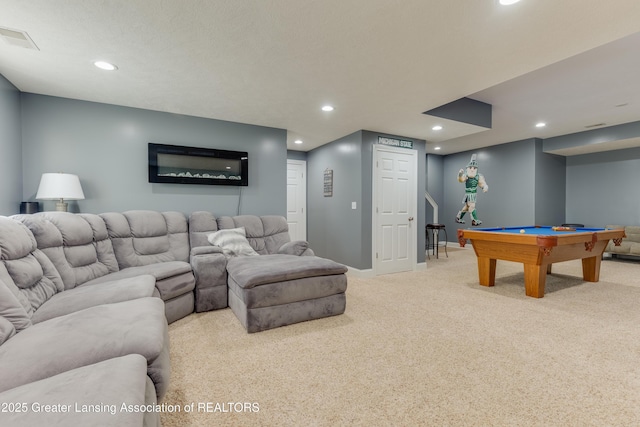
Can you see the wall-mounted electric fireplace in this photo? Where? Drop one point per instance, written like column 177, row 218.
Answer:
column 195, row 165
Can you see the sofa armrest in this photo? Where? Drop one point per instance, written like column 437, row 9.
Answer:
column 202, row 250
column 297, row 247
column 210, row 271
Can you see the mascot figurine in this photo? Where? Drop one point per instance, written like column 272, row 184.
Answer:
column 472, row 180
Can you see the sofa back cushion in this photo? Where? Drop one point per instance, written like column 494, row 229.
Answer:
column 144, row 237
column 266, row 234
column 7, row 330
column 78, row 245
column 11, row 310
column 24, row 269
column 201, row 225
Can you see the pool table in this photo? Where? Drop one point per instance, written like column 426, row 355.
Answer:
column 537, row 247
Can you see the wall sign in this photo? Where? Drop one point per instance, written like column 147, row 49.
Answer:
column 328, row 182
column 395, row 142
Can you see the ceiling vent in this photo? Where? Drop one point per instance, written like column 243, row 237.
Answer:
column 596, row 125
column 17, row 38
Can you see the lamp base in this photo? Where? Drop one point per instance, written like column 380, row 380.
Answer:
column 61, row 206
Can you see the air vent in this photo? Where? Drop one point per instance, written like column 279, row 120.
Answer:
column 17, row 38
column 596, row 125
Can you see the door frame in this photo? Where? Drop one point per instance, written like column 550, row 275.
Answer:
column 303, row 183
column 377, row 148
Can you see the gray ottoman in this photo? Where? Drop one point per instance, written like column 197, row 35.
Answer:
column 269, row 291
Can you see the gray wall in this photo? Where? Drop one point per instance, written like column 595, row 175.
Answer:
column 550, row 190
column 336, row 230
column 435, row 187
column 296, row 155
column 509, row 170
column 602, row 188
column 106, row 146
column 11, row 149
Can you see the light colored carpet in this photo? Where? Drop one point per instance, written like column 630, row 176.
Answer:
column 428, row 348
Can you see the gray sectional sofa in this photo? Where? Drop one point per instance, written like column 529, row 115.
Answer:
column 85, row 300
column 283, row 283
column 630, row 245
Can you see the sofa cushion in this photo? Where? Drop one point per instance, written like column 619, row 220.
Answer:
column 201, row 224
column 232, row 241
column 266, row 234
column 12, row 310
column 147, row 237
column 86, row 337
column 256, row 271
column 86, row 296
column 289, row 291
column 172, row 278
column 297, row 248
column 101, row 388
column 77, row 244
column 7, row 330
column 27, row 271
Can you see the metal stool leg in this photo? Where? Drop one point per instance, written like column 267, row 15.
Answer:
column 426, row 235
column 446, row 239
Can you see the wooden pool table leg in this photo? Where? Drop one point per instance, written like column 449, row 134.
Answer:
column 535, row 277
column 591, row 268
column 487, row 271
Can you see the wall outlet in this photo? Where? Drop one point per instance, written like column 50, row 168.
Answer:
column 353, row 205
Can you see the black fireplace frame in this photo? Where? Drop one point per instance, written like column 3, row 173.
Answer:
column 213, row 166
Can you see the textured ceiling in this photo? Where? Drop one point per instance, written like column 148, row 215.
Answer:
column 381, row 63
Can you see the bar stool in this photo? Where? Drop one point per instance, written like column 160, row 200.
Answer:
column 434, row 242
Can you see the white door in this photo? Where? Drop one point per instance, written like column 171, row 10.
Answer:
column 395, row 195
column 297, row 199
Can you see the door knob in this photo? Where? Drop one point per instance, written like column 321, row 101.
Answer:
column 410, row 218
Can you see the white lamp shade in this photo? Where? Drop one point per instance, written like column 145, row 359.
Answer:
column 59, row 186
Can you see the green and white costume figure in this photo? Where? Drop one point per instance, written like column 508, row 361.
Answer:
column 472, row 180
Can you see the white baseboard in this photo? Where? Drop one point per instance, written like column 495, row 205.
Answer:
column 355, row 272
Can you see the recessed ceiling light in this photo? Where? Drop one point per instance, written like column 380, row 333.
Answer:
column 103, row 65
column 437, row 127
column 436, row 148
column 297, row 141
column 327, row 108
column 540, row 125
column 508, row 2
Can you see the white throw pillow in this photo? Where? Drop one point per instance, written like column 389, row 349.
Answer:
column 233, row 242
